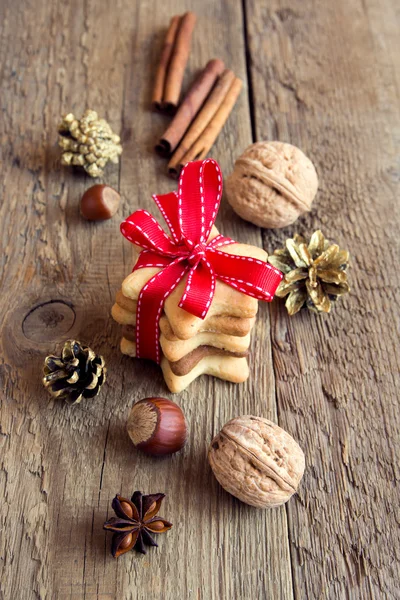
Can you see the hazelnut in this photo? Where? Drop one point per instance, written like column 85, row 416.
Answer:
column 99, row 202
column 256, row 461
column 157, row 426
column 272, row 184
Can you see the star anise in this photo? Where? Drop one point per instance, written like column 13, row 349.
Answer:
column 135, row 522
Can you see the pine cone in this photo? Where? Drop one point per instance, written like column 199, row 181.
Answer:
column 77, row 373
column 314, row 274
column 89, row 142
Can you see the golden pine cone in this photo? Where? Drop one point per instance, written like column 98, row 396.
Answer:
column 89, row 142
column 78, row 373
column 314, row 273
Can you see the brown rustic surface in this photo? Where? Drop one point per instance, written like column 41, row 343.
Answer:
column 322, row 75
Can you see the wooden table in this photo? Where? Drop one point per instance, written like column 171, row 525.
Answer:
column 321, row 75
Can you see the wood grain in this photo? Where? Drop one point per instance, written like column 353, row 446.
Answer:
column 60, row 465
column 325, row 77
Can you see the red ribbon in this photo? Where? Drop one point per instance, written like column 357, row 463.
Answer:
column 190, row 214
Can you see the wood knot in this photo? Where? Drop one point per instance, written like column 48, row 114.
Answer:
column 49, row 321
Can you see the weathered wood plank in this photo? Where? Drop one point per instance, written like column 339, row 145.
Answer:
column 325, row 77
column 61, row 466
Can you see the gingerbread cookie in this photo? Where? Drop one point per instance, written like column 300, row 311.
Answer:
column 176, row 350
column 228, row 301
column 192, row 298
column 124, row 312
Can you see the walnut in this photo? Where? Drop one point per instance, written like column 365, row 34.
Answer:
column 272, row 184
column 256, row 461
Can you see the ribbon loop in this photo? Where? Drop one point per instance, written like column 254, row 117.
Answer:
column 143, row 230
column 168, row 205
column 190, row 215
column 199, row 195
column 199, row 290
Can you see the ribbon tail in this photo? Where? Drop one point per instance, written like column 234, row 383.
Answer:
column 150, row 306
column 220, row 240
column 250, row 276
column 199, row 291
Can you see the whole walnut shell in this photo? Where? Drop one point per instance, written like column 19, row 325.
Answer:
column 256, row 461
column 272, row 184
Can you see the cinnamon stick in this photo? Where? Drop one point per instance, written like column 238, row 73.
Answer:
column 159, row 83
column 177, row 63
column 204, row 142
column 205, row 115
column 186, row 112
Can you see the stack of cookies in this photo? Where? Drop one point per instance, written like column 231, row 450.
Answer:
column 217, row 345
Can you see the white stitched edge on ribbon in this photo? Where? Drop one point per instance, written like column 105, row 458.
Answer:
column 166, row 219
column 250, row 259
column 244, row 290
column 210, row 297
column 160, row 307
column 201, row 203
column 216, row 244
column 217, row 201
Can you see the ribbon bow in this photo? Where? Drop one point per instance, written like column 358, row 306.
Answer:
column 190, row 214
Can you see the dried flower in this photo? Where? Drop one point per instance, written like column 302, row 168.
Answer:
column 135, row 522
column 314, row 274
column 88, row 142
